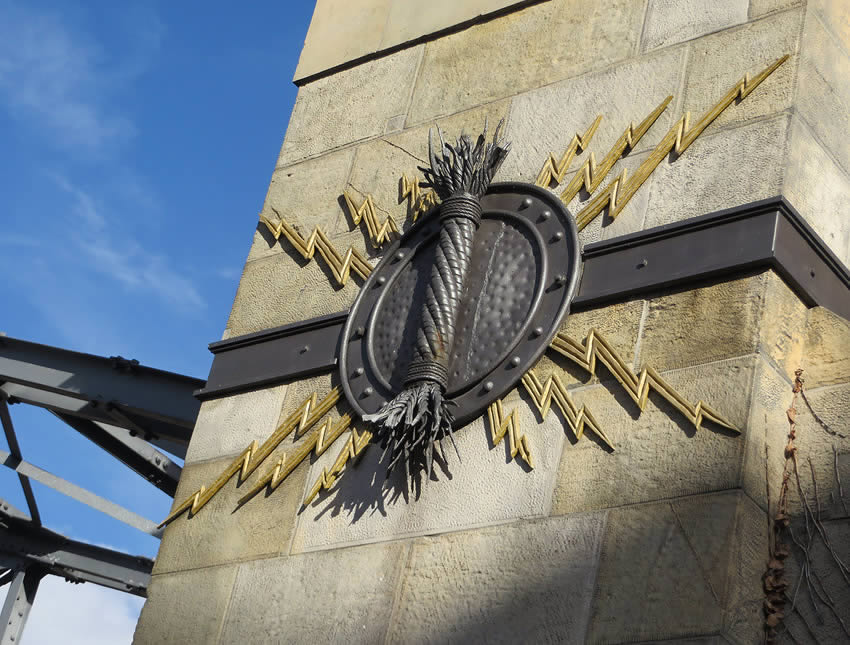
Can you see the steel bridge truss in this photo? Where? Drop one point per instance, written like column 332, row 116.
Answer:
column 132, row 412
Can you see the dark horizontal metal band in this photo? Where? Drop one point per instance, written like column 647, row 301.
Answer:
column 273, row 355
column 768, row 234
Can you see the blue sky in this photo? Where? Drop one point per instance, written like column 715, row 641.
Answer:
column 138, row 140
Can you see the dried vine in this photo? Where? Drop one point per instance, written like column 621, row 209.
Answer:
column 776, row 584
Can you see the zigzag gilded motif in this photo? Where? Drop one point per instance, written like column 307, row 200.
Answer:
column 618, row 193
column 378, row 233
column 638, row 387
column 354, row 447
column 501, row 425
column 318, row 441
column 590, row 175
column 553, row 170
column 340, row 265
column 307, row 414
column 419, row 201
column 554, row 390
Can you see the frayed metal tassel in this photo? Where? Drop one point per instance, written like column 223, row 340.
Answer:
column 412, row 423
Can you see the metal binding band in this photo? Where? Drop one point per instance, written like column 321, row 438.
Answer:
column 462, row 205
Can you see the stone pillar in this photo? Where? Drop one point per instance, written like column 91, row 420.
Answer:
column 667, row 537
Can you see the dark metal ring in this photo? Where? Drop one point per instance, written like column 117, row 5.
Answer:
column 462, row 205
column 427, row 371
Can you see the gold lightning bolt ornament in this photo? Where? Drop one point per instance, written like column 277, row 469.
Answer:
column 419, row 201
column 318, row 441
column 307, row 414
column 590, row 175
column 543, row 394
column 554, row 169
column 341, row 265
column 353, row 448
column 638, row 386
column 500, row 425
column 618, row 193
column 378, row 233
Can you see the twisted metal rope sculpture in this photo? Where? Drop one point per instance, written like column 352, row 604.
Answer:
column 408, row 426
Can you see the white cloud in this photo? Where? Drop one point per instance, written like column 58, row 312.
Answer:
column 84, row 205
column 49, row 76
column 80, row 614
column 228, row 273
column 139, row 270
column 116, row 256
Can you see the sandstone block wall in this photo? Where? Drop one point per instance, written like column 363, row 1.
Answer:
column 663, row 539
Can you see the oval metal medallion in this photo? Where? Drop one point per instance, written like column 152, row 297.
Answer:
column 522, row 278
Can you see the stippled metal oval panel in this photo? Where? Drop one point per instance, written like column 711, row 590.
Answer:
column 522, row 278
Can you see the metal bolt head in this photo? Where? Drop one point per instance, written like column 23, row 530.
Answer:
column 515, row 361
column 368, row 391
column 558, row 236
column 546, row 214
column 360, row 331
column 560, row 280
column 488, row 386
column 526, row 203
column 399, row 255
column 537, row 331
column 382, row 279
column 358, row 371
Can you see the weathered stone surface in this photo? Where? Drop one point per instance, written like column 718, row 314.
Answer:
column 408, row 20
column 671, row 570
column 818, row 189
column 286, row 288
column 525, row 582
column 823, row 446
column 767, row 434
column 696, row 640
column 782, row 329
column 619, row 324
column 380, row 163
column 339, row 596
column 702, row 325
column 835, row 17
column 523, row 50
column 657, row 453
column 748, row 557
column 717, row 62
column 826, row 357
column 300, row 390
column 363, row 507
column 543, row 121
column 227, row 425
column 359, row 28
column 185, row 607
column 823, row 92
column 350, row 105
column 673, row 21
column 651, row 584
column 354, row 27
column 759, row 8
column 222, row 531
column 731, row 167
column 309, row 194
